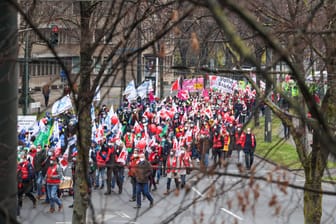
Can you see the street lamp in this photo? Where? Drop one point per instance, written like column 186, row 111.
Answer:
column 24, row 99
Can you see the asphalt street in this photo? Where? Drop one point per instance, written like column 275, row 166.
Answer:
column 207, row 199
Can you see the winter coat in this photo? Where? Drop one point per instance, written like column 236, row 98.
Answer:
column 143, row 171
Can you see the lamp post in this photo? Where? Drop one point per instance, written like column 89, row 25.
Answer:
column 24, row 98
column 26, row 75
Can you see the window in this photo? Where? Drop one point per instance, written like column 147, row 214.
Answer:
column 56, row 68
column 38, row 68
column 75, row 65
column 108, row 68
column 49, row 68
column 97, row 65
column 44, row 70
column 33, row 69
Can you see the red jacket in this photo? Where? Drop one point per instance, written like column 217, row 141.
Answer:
column 129, row 140
column 172, row 164
column 154, row 160
column 238, row 138
column 53, row 176
column 185, row 160
column 132, row 166
column 217, row 142
column 243, row 140
column 100, row 160
column 24, row 168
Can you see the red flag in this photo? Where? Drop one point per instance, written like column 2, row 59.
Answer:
column 183, row 94
column 64, row 163
column 175, row 86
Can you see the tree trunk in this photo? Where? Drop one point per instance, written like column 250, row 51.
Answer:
column 8, row 112
column 315, row 166
column 321, row 150
column 312, row 203
column 82, row 196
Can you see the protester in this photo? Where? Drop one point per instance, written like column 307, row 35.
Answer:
column 53, row 179
column 101, row 166
column 73, row 174
column 113, row 166
column 131, row 173
column 204, row 144
column 238, row 144
column 25, row 173
column 217, row 147
column 249, row 144
column 92, row 164
column 226, row 145
column 172, row 171
column 142, row 173
column 185, row 166
column 154, row 160
column 40, row 170
column 231, row 130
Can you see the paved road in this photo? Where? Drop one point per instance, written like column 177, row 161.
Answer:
column 212, row 199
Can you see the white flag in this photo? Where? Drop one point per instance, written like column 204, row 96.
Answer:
column 61, row 105
column 145, row 88
column 130, row 88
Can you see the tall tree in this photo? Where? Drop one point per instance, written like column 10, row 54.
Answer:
column 295, row 16
column 81, row 199
column 8, row 113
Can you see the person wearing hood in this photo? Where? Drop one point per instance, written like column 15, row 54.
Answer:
column 142, row 173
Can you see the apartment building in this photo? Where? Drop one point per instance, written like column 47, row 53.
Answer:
column 38, row 62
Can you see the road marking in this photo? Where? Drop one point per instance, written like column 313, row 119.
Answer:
column 197, row 191
column 104, row 217
column 231, row 213
column 123, row 215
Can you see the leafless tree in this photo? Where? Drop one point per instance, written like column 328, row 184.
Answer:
column 293, row 33
column 8, row 86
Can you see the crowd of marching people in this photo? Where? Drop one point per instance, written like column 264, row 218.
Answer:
column 146, row 140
